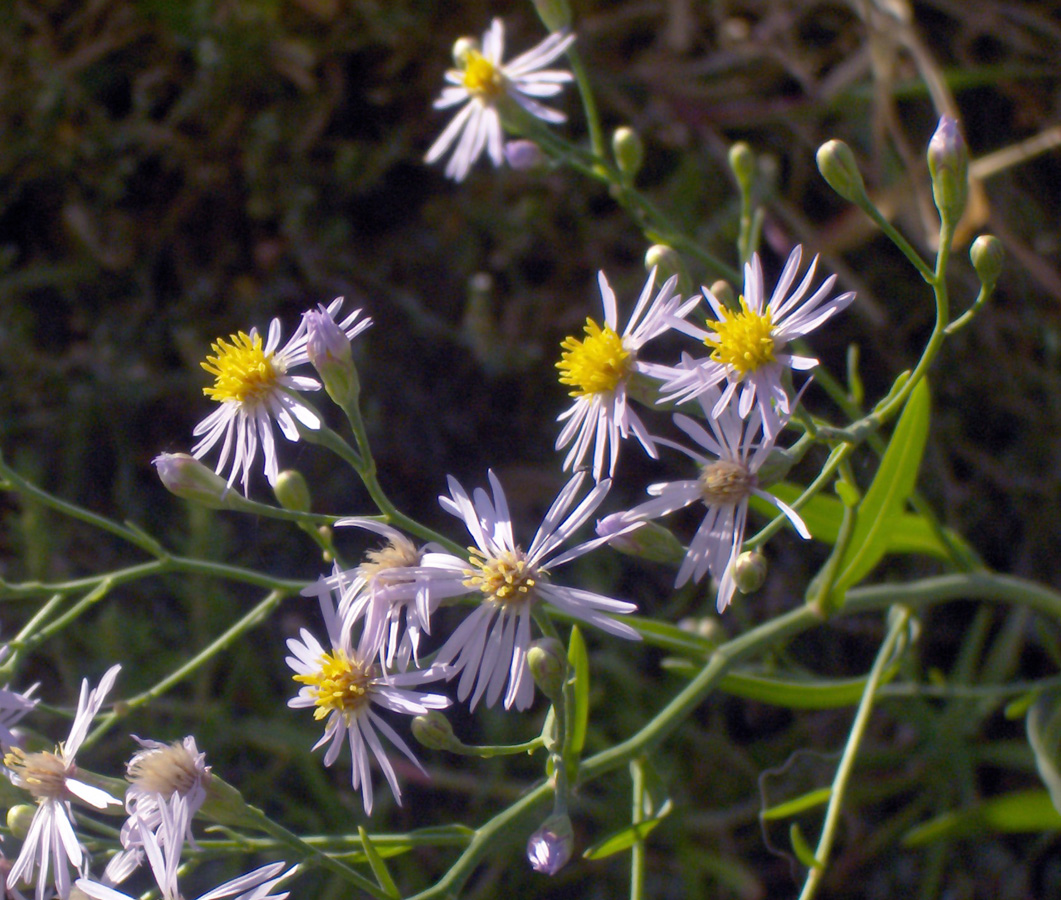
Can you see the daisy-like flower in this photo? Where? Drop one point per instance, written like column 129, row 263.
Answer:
column 50, row 844
column 165, row 859
column 489, row 648
column 599, row 368
column 253, row 386
column 484, row 85
column 383, row 593
column 156, row 773
column 747, row 345
column 725, row 483
column 343, row 684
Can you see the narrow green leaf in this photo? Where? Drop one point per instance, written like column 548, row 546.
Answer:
column 797, row 805
column 801, row 848
column 883, row 503
column 379, row 867
column 579, row 660
column 625, row 839
column 1044, row 735
column 1020, row 812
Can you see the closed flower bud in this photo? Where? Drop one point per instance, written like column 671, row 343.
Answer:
column 550, row 847
column 523, row 155
column 987, row 255
column 292, row 492
column 461, row 48
column 629, row 150
column 555, row 14
column 724, row 294
column 189, row 479
column 649, row 540
column 328, row 349
column 742, row 162
column 19, row 818
column 433, row 731
column 668, row 262
column 749, row 571
column 837, row 164
column 948, row 163
column 547, row 661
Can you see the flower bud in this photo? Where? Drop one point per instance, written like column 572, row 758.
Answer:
column 749, row 571
column 433, row 731
column 667, row 262
column 648, row 540
column 328, row 349
column 837, row 164
column 523, row 155
column 547, row 661
column 555, row 14
column 461, row 48
column 987, row 255
column 629, row 150
column 742, row 162
column 948, row 163
column 292, row 492
column 19, row 818
column 723, row 292
column 550, row 847
column 189, row 479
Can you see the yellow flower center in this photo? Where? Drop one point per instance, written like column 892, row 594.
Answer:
column 43, row 774
column 725, row 483
column 342, row 684
column 594, row 365
column 481, row 77
column 242, row 370
column 743, row 340
column 506, row 579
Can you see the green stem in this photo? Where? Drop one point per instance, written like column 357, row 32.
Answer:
column 589, row 103
column 847, row 761
column 637, row 815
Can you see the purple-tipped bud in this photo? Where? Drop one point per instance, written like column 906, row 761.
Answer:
column 837, row 164
column 648, row 540
column 523, row 155
column 948, row 163
column 550, row 847
column 189, row 479
column 328, row 349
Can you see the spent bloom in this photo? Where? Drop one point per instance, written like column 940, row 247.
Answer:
column 489, row 648
column 344, row 686
column 382, row 591
column 164, row 858
column 51, row 846
column 254, row 387
column 484, row 84
column 728, row 478
column 747, row 345
column 599, row 368
column 158, row 773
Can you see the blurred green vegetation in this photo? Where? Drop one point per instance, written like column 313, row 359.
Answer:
column 171, row 172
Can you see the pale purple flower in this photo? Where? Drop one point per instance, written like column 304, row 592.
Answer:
column 344, row 685
column 489, row 648
column 253, row 386
column 727, row 479
column 50, row 846
column 550, row 847
column 165, row 859
column 483, row 83
column 747, row 345
column 599, row 368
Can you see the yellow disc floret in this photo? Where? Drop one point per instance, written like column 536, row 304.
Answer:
column 725, row 483
column 743, row 339
column 481, row 77
column 594, row 365
column 342, row 684
column 242, row 370
column 505, row 579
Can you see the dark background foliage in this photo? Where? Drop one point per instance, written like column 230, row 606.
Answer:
column 171, row 172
